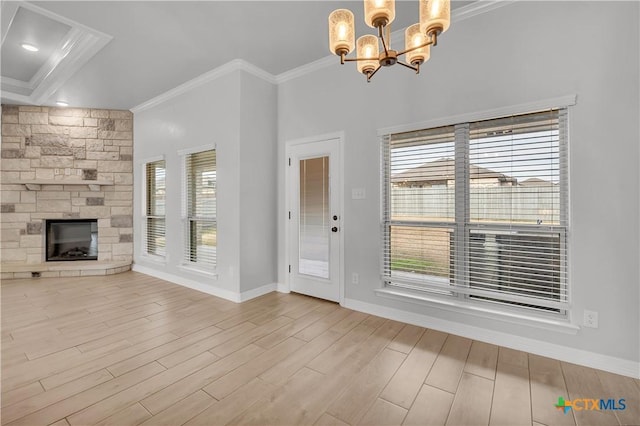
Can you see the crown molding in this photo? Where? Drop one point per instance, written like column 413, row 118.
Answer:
column 471, row 10
column 209, row 76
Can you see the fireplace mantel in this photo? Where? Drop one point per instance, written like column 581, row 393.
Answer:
column 35, row 184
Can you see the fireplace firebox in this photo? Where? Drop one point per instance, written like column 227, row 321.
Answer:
column 71, row 239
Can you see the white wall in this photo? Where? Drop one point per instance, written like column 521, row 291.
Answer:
column 228, row 111
column 521, row 53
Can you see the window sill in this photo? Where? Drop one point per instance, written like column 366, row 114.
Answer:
column 482, row 311
column 199, row 271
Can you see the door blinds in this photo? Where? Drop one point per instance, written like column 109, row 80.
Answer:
column 201, row 224
column 479, row 210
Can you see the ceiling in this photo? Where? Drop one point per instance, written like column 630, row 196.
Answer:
column 119, row 54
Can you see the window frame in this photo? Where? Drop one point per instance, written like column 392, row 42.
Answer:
column 198, row 267
column 145, row 216
column 462, row 225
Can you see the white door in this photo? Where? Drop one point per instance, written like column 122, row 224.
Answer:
column 314, row 225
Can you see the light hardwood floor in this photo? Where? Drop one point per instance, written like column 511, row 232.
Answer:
column 131, row 349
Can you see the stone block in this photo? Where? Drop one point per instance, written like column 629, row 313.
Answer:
column 30, row 241
column 11, row 235
column 109, row 240
column 123, row 142
column 5, row 244
column 10, row 119
column 104, row 223
column 111, row 147
column 25, row 208
column 6, row 176
column 71, row 215
column 89, row 174
column 79, row 153
column 99, row 113
column 108, row 134
column 96, row 212
column 123, row 178
column 47, row 139
column 117, row 195
column 32, row 152
column 48, row 129
column 53, row 195
column 122, row 114
column 10, row 109
column 121, row 221
column 12, row 153
column 33, row 118
column 56, row 161
column 18, row 164
column 126, row 157
column 69, row 112
column 55, row 150
column 10, row 196
column 95, row 201
column 77, row 143
column 27, row 175
column 50, row 274
column 34, row 228
column 126, row 238
column 98, row 155
column 107, row 124
column 83, row 132
column 17, row 217
column 17, row 255
column 16, row 129
column 45, row 173
column 53, row 206
column 117, row 211
column 29, row 108
column 92, row 272
column 90, row 122
column 126, row 150
column 70, row 273
column 7, row 208
column 124, row 125
column 115, row 166
column 121, row 248
column 67, row 121
column 95, row 145
column 28, row 196
column 85, row 164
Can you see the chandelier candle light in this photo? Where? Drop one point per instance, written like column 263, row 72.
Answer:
column 418, row 38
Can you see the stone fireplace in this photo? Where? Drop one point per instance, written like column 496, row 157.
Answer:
column 61, row 164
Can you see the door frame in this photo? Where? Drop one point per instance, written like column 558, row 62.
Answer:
column 340, row 208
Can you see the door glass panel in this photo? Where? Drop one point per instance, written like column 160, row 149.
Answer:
column 314, row 217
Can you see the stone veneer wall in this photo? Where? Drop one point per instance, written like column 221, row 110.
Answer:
column 59, row 145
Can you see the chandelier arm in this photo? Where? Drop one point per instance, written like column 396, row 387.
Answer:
column 370, row 75
column 416, row 69
column 359, row 59
column 429, row 43
column 384, row 42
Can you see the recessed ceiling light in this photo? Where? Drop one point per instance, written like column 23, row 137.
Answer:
column 29, row 47
column 62, row 103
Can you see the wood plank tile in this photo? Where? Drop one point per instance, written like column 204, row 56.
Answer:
column 233, row 380
column 251, row 336
column 482, row 360
column 406, row 339
column 314, row 330
column 449, row 365
column 618, row 387
column 511, row 397
column 113, row 404
column 512, row 356
column 183, row 410
column 583, row 382
column 329, row 420
column 407, row 382
column 472, row 403
column 201, row 378
column 547, row 384
column 130, row 416
column 384, row 413
column 431, row 407
column 18, row 394
column 354, row 401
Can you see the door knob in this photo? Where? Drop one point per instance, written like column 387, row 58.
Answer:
column 334, row 229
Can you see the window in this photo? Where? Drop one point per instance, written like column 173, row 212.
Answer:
column 478, row 211
column 201, row 224
column 155, row 208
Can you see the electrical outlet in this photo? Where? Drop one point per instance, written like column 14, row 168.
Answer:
column 358, row 193
column 56, row 171
column 355, row 278
column 590, row 319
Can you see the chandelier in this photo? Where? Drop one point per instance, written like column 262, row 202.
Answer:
column 418, row 38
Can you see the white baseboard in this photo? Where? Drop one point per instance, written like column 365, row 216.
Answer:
column 257, row 292
column 551, row 350
column 282, row 288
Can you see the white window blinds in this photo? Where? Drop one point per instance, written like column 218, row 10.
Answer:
column 155, row 208
column 201, row 224
column 479, row 210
